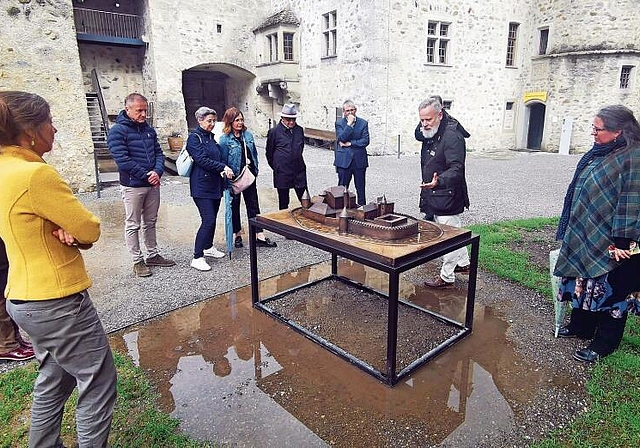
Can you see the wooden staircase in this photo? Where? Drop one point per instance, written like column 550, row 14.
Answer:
column 106, row 168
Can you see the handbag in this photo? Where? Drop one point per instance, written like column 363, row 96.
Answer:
column 242, row 181
column 184, row 162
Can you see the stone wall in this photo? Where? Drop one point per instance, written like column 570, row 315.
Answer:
column 188, row 38
column 39, row 54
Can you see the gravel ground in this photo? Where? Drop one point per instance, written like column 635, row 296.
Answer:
column 502, row 186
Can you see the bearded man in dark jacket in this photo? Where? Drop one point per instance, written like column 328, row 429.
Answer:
column 444, row 187
column 133, row 143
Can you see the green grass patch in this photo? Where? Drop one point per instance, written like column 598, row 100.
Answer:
column 612, row 419
column 137, row 422
column 499, row 253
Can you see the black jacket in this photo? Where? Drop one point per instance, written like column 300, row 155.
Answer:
column 444, row 154
column 284, row 155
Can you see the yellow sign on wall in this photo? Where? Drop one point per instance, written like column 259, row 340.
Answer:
column 531, row 96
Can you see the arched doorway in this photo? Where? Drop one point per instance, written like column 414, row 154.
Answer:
column 203, row 88
column 536, row 125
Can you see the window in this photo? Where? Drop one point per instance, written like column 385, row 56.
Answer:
column 272, row 42
column 544, row 41
column 329, row 27
column 511, row 44
column 219, row 28
column 437, row 42
column 625, row 76
column 287, row 43
column 446, row 104
column 509, row 105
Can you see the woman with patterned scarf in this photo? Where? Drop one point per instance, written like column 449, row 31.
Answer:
column 600, row 222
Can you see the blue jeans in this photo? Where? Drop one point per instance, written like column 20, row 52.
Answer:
column 208, row 209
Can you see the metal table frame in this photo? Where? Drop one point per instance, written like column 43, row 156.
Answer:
column 392, row 266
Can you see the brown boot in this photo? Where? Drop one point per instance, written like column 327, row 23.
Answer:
column 438, row 283
column 141, row 269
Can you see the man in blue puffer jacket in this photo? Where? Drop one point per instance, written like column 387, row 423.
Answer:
column 133, row 143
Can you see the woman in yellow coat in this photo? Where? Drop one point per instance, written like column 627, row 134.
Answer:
column 43, row 226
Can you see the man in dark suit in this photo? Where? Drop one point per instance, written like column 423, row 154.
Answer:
column 352, row 139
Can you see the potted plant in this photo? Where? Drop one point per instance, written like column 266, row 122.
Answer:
column 175, row 141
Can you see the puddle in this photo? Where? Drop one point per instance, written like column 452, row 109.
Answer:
column 236, row 376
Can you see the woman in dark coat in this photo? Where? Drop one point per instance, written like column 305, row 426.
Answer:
column 600, row 223
column 206, row 185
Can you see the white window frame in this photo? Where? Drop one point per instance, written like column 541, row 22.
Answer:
column 541, row 31
column 512, row 44
column 330, row 34
column 438, row 48
column 285, row 46
column 625, row 77
column 272, row 47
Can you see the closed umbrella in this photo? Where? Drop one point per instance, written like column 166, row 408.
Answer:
column 228, row 223
column 560, row 308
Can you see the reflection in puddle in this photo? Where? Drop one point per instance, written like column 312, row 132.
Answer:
column 234, row 375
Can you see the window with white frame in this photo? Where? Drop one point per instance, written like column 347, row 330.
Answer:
column 272, row 43
column 543, row 41
column 625, row 76
column 437, row 42
column 330, row 33
column 287, row 46
column 511, row 44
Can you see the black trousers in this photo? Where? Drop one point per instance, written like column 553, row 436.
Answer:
column 283, row 196
column 251, row 203
column 606, row 330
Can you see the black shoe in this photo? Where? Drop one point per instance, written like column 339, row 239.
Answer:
column 238, row 242
column 586, row 355
column 265, row 243
column 566, row 332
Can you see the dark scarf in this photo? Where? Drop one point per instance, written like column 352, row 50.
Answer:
column 595, row 152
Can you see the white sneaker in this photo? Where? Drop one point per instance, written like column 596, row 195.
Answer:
column 200, row 264
column 213, row 252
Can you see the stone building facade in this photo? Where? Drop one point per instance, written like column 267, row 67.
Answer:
column 518, row 75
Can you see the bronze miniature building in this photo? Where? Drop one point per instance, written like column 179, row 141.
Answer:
column 376, row 219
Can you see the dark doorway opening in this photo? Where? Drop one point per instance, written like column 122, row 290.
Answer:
column 203, row 88
column 536, row 125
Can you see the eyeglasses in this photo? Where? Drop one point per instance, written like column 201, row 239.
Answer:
column 595, row 130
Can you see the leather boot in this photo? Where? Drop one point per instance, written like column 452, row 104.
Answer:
column 609, row 333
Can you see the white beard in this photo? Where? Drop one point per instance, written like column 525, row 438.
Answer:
column 429, row 133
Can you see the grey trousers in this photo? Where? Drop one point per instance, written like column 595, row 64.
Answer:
column 141, row 206
column 72, row 349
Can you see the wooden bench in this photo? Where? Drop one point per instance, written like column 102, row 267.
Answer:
column 319, row 137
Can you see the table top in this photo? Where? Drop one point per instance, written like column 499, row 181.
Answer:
column 432, row 238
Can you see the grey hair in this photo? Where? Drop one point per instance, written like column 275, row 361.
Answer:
column 203, row 112
column 348, row 103
column 621, row 118
column 434, row 101
column 132, row 97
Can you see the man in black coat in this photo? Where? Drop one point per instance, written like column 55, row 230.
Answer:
column 444, row 187
column 285, row 143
